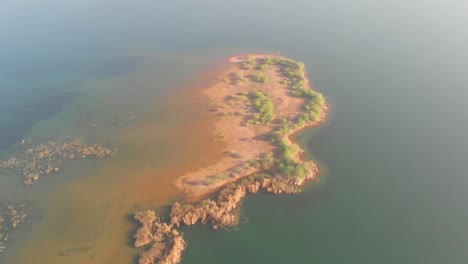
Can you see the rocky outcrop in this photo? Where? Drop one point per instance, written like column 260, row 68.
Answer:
column 224, row 211
column 167, row 243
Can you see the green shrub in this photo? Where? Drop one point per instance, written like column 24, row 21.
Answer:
column 237, row 79
column 267, row 161
column 294, row 169
column 248, row 64
column 259, row 77
column 263, row 107
column 214, row 179
column 262, row 67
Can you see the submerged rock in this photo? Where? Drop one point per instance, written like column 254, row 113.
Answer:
column 36, row 160
column 73, row 250
column 12, row 217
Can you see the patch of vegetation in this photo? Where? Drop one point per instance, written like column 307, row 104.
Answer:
column 264, row 64
column 259, row 77
column 265, row 162
column 293, row 169
column 248, row 64
column 285, row 162
column 214, row 179
column 240, row 97
column 263, row 107
column 293, row 73
column 262, row 67
column 236, row 78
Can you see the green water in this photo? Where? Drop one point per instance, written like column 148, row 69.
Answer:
column 395, row 147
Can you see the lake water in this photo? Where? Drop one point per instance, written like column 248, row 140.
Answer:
column 395, row 148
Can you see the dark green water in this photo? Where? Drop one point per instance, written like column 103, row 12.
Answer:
column 395, row 148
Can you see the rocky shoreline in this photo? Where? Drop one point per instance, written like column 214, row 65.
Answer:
column 168, row 244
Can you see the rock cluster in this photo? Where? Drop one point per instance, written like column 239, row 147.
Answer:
column 167, row 243
column 35, row 160
column 11, row 218
column 224, row 211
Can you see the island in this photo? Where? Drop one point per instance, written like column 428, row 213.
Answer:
column 261, row 101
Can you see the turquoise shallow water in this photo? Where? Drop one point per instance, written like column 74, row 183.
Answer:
column 395, row 148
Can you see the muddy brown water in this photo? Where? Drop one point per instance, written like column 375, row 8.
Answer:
column 89, row 216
